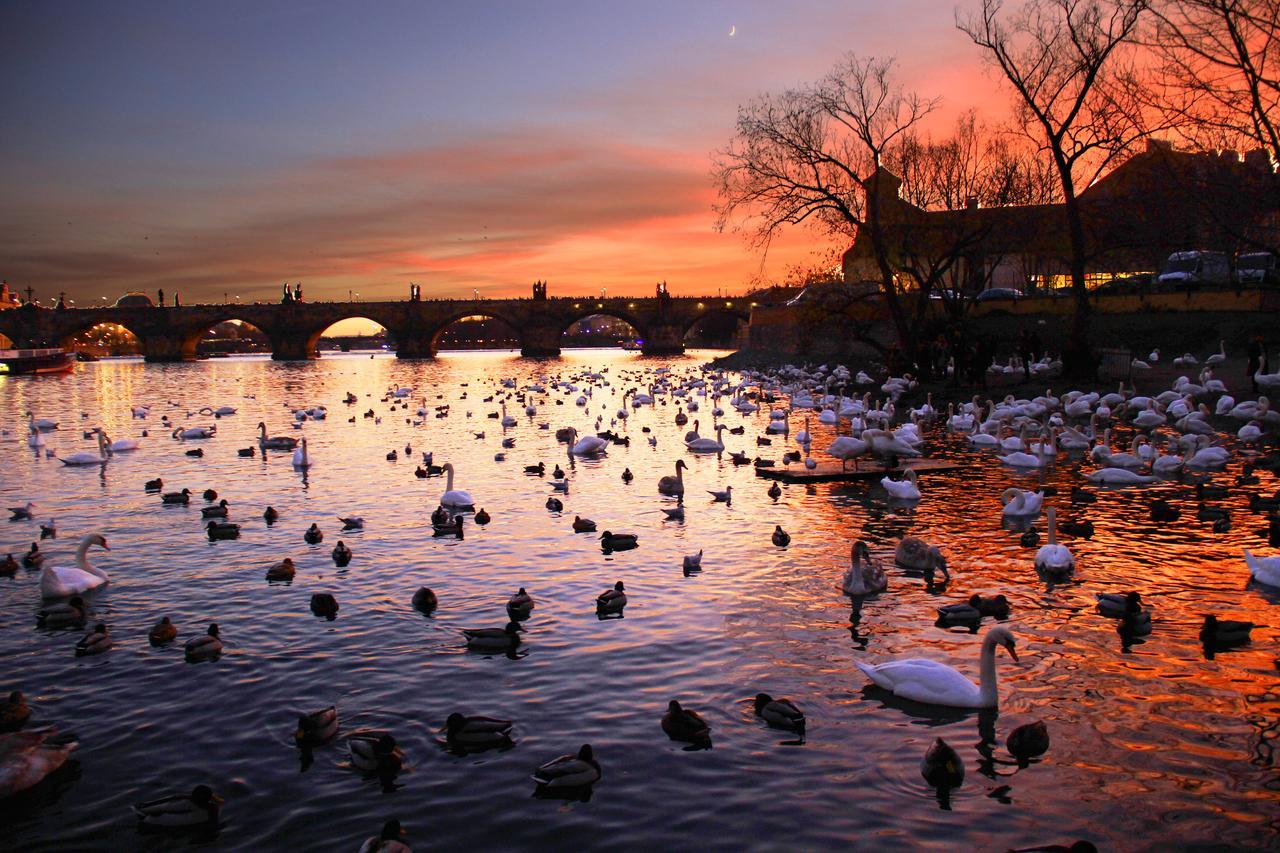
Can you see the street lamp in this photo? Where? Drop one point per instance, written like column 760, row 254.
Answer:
column 475, row 293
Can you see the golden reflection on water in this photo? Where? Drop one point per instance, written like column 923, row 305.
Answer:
column 1154, row 743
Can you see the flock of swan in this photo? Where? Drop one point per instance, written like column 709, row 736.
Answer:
column 1176, row 437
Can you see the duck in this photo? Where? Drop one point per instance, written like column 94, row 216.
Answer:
column 1162, row 510
column 50, row 530
column 611, row 541
column 627, row 476
column 1224, row 633
column 554, row 504
column 1083, row 528
column 453, row 527
column 583, row 525
column 1028, row 741
column 1083, row 496
column 673, row 485
column 324, row 604
column 1265, row 570
column 34, row 558
column 204, row 646
column 314, row 534
column 959, row 614
column 569, row 771
column 388, row 840
column 941, row 767
column 153, row 485
column 162, row 632
column 61, row 583
column 780, row 538
column 270, row 515
column 520, row 605
column 424, row 600
column 28, row 757
column 933, row 683
column 341, row 554
column 995, row 606
column 316, row 727
column 557, row 473
column 457, row 499
column 1054, row 560
column 219, row 510
column 14, row 712
column 222, row 530
column 1030, row 538
column 612, row 600
column 210, row 495
column 67, row 614
column 373, row 752
column 780, row 713
column 906, row 489
column 492, row 639
column 1020, row 503
column 775, row 491
column 246, row 452
column 865, row 575
column 8, row 566
column 95, row 642
column 476, row 731
column 685, row 725
column 282, row 571
column 183, row 497
column 1114, row 605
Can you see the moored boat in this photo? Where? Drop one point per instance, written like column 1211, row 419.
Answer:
column 16, row 362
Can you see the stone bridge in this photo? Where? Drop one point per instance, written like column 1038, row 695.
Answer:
column 294, row 328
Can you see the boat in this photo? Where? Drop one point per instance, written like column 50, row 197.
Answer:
column 17, row 362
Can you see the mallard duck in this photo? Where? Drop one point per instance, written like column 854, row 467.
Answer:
column 97, row 641
column 246, row 452
column 162, row 632
column 387, row 841
column 627, row 476
column 1080, row 528
column 314, row 535
column 440, row 515
column 34, row 558
column 941, row 767
column 612, row 600
column 1224, row 633
column 1162, row 510
column 153, row 485
column 482, row 517
column 182, row 497
column 324, row 604
column 1212, row 513
column 420, row 472
column 539, row 469
column 67, row 614
column 198, row 808
column 780, row 537
column 13, row 712
column 210, row 495
column 583, row 525
column 996, row 606
column 1222, row 525
column 684, row 725
column 1082, row 495
column 453, row 527
column 424, row 600
column 1030, row 538
column 611, row 541
column 558, row 473
column 1209, row 491
column 520, row 605
column 316, row 727
column 372, row 752
column 8, row 566
column 1115, row 604
column 492, row 639
column 204, row 646
column 50, row 530
column 569, row 771
column 960, row 614
column 475, row 731
column 1028, row 741
column 28, row 757
column 270, row 515
column 780, row 713
column 282, row 571
column 222, row 530
column 341, row 554
column 555, row 504
column 775, row 491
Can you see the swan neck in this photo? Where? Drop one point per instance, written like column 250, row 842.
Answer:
column 987, row 691
column 449, row 483
column 82, row 559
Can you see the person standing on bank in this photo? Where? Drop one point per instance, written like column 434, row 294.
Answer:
column 1257, row 354
column 160, row 293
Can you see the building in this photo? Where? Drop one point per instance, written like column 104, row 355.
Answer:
column 1156, row 203
column 135, row 299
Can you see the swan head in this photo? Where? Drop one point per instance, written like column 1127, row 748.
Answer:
column 97, row 539
column 1008, row 495
column 1002, row 636
column 680, row 464
column 860, row 551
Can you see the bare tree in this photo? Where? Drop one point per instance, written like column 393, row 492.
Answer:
column 1069, row 63
column 813, row 156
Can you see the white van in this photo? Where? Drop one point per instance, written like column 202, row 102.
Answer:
column 1257, row 269
column 1196, row 268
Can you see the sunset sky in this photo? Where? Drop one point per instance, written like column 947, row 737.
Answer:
column 213, row 148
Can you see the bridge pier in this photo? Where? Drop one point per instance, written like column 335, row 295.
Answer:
column 663, row 339
column 164, row 347
column 414, row 346
column 292, row 348
column 540, row 340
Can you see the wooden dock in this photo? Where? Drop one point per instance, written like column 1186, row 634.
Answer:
column 829, row 472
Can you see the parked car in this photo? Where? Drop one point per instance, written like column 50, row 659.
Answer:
column 994, row 294
column 1139, row 283
column 1196, row 269
column 1257, row 269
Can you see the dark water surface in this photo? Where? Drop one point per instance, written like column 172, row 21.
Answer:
column 1152, row 747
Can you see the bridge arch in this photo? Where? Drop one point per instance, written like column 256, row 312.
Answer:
column 192, row 336
column 348, row 332
column 442, row 328
column 104, row 338
column 713, row 312
column 603, row 330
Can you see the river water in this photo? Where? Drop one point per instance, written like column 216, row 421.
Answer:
column 1153, row 747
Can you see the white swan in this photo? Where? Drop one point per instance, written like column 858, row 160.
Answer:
column 455, row 498
column 1119, row 477
column 906, row 489
column 865, row 575
column 588, row 445
column 36, row 439
column 1021, row 503
column 707, row 445
column 923, row 680
column 300, row 457
column 507, row 420
column 846, row 447
column 1264, row 569
column 61, row 583
column 195, row 432
column 1053, row 558
column 123, row 445
column 86, row 457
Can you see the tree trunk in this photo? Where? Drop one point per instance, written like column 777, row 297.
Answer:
column 1077, row 357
